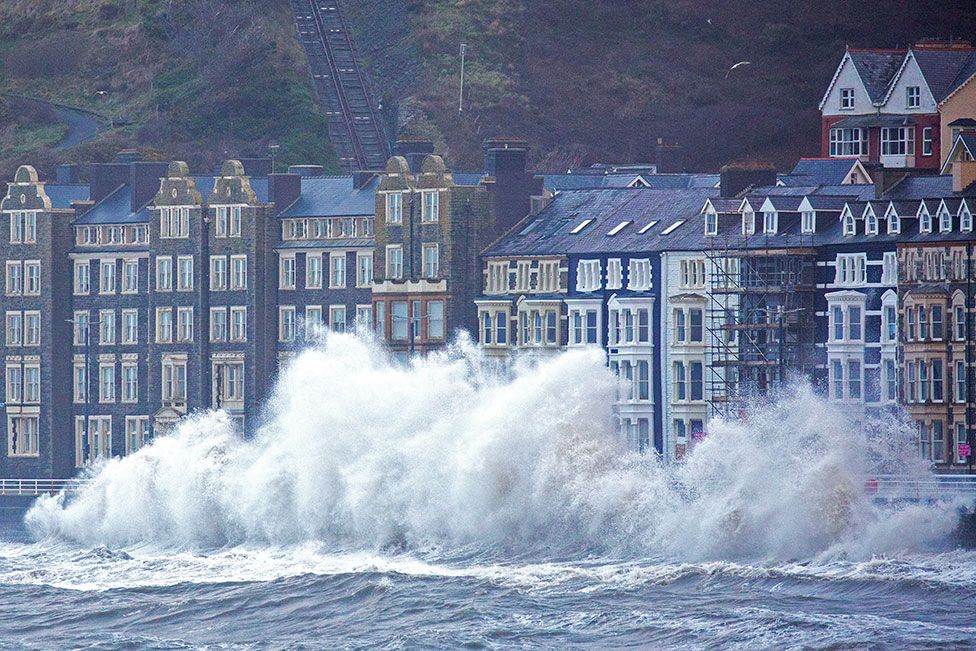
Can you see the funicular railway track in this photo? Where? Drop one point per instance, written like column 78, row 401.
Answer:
column 354, row 126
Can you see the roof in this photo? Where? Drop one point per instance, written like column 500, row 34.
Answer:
column 467, row 178
column 945, row 70
column 549, row 231
column 116, row 208
column 963, row 122
column 61, row 196
column 860, row 121
column 591, row 181
column 828, row 171
column 333, row 196
column 876, row 69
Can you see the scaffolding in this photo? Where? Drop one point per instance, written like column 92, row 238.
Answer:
column 760, row 318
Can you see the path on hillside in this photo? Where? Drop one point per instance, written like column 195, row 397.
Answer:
column 82, row 125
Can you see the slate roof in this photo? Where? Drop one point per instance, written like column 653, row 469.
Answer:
column 467, row 178
column 333, row 196
column 877, row 68
column 343, row 243
column 116, row 208
column 945, row 70
column 590, row 181
column 61, row 196
column 828, row 171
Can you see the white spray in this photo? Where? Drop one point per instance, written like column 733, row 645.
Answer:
column 359, row 452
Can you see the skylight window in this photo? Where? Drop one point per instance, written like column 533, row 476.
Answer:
column 580, row 226
column 619, row 227
column 670, row 229
column 529, row 227
column 649, row 226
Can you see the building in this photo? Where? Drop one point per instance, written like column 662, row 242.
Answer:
column 900, row 108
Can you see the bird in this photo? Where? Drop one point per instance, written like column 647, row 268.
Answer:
column 708, row 20
column 738, row 65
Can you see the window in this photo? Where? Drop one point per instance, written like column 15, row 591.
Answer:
column 99, row 439
column 898, row 141
column 711, row 223
column 130, row 276
column 394, row 208
column 431, row 255
column 80, row 322
column 398, row 316
column 837, row 379
column 15, row 328
column 937, row 381
column 106, row 327
column 848, row 142
column 218, row 272
column 286, row 324
column 770, row 222
column 238, row 269
column 364, row 315
column 580, row 226
column 15, row 386
column 854, row 331
column 850, row 225
column 313, row 270
column 30, row 227
column 910, row 373
column 431, row 210
column 174, row 222
column 913, row 97
column 106, row 382
column 588, row 275
column 547, row 280
column 889, row 269
column 136, row 432
column 923, row 382
column 679, row 429
column 748, row 222
column 890, row 323
column 218, row 324
column 936, row 323
column 697, row 381
column 809, row 221
column 639, row 275
column 696, row 331
column 286, row 277
column 891, row 381
column 680, row 331
column 313, row 320
column 394, row 261
column 364, row 269
column 174, row 381
column 238, row 323
column 854, row 379
column 960, row 321
column 960, row 381
column 927, row 141
column 965, row 218
column 435, row 320
column 22, row 436
column 501, row 328
column 846, row 99
column 551, row 330
column 184, row 332
column 894, row 221
column 228, row 382
column 870, row 221
column 337, row 317
column 337, row 270
column 938, row 441
column 910, row 323
column 32, row 278
column 643, row 380
column 14, row 279
column 106, row 277
column 523, row 275
column 924, row 219
column 32, row 383
column 32, row 328
column 614, row 274
column 680, row 382
column 82, row 277
column 164, row 325
column 164, row 274
column 130, row 326
column 961, row 439
column 16, row 227
column 923, row 329
column 837, row 316
column 185, row 281
column 851, row 269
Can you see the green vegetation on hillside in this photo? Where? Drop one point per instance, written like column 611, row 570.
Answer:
column 196, row 79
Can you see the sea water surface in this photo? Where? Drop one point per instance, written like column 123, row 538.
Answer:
column 450, row 503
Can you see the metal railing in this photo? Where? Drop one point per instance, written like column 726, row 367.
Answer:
column 929, row 487
column 38, row 487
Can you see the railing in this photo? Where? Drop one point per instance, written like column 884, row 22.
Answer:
column 38, row 487
column 930, row 487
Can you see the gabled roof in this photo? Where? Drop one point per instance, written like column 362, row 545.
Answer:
column 61, row 196
column 116, row 208
column 945, row 70
column 877, row 68
column 964, row 141
column 826, row 171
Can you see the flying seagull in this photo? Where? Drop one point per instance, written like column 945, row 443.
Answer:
column 738, row 65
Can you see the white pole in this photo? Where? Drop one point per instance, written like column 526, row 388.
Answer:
column 464, row 48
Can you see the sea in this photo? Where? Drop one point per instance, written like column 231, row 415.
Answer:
column 452, row 502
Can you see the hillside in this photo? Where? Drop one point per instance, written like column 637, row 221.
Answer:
column 583, row 81
column 195, row 79
column 589, row 81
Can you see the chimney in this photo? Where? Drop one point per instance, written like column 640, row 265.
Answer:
column 256, row 166
column 736, row 177
column 283, row 190
column 505, row 156
column 963, row 174
column 362, row 178
column 68, row 174
column 306, row 171
column 668, row 157
column 144, row 181
column 105, row 178
column 127, row 156
column 415, row 151
column 884, row 178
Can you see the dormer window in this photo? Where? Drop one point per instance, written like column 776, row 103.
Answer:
column 870, row 221
column 808, row 222
column 924, row 219
column 850, row 227
column 711, row 223
column 748, row 222
column 965, row 218
column 894, row 221
column 847, row 99
column 770, row 222
column 913, row 97
column 945, row 219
